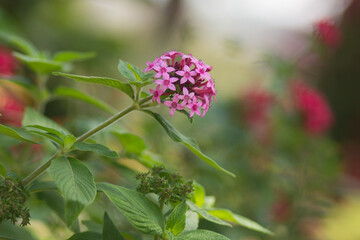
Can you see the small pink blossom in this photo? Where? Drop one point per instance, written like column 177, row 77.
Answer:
column 194, row 107
column 187, row 75
column 174, row 104
column 186, row 97
column 167, row 83
column 156, row 94
column 163, row 70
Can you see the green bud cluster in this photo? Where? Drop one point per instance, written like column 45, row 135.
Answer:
column 170, row 187
column 12, row 201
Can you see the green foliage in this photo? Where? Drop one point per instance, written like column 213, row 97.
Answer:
column 135, row 76
column 33, row 117
column 201, row 235
column 229, row 216
column 69, row 56
column 142, row 213
column 109, row 230
column 206, row 215
column 20, row 43
column 42, row 186
column 15, row 133
column 75, row 182
column 190, row 143
column 2, row 171
column 176, row 220
column 76, row 94
column 86, row 236
column 131, row 142
column 40, row 65
column 95, row 147
column 110, row 82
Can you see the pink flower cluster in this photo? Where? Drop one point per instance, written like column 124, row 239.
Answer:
column 316, row 111
column 328, row 33
column 7, row 63
column 183, row 81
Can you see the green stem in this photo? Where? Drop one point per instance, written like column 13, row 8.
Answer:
column 37, row 172
column 85, row 136
column 161, row 209
column 107, row 123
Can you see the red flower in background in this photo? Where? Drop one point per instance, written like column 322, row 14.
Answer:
column 7, row 63
column 328, row 33
column 11, row 108
column 316, row 112
column 257, row 103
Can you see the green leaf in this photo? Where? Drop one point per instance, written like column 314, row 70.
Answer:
column 110, row 232
column 69, row 141
column 198, row 196
column 134, row 74
column 72, row 211
column 142, row 213
column 201, row 235
column 128, row 71
column 46, row 129
column 22, row 44
column 74, row 180
column 110, row 82
column 95, row 147
column 39, row 65
column 33, row 117
column 50, row 133
column 42, row 186
column 15, row 133
column 176, row 221
column 190, row 143
column 2, row 171
column 73, row 93
column 86, row 236
column 131, row 142
column 229, row 216
column 206, row 215
column 70, row 56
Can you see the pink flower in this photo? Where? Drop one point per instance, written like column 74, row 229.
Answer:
column 313, row 106
column 156, row 94
column 328, row 33
column 194, row 107
column 257, row 103
column 7, row 63
column 163, row 70
column 150, row 66
column 187, row 75
column 174, row 104
column 167, row 83
column 11, row 108
column 186, row 97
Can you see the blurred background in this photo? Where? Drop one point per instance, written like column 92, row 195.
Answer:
column 286, row 121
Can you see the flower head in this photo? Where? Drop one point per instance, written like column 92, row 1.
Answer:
column 313, row 106
column 184, row 80
column 328, row 33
